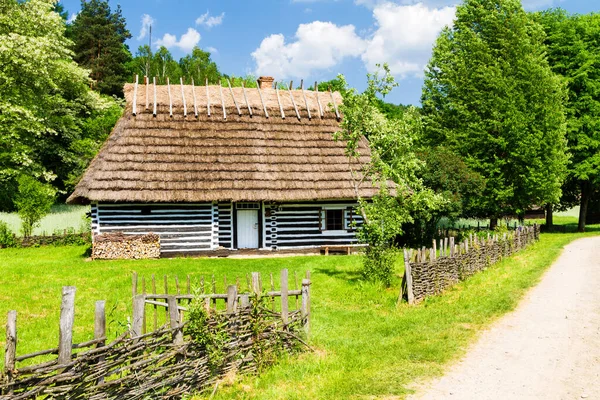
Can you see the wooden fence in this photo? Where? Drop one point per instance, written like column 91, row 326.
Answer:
column 431, row 271
column 165, row 362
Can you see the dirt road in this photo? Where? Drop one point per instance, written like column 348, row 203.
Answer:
column 548, row 348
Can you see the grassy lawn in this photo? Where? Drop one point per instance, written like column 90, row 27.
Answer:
column 366, row 346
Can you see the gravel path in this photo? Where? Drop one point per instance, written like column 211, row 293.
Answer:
column 548, row 348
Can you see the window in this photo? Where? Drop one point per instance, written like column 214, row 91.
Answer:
column 334, row 220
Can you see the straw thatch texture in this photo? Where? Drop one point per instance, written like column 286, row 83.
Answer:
column 227, row 157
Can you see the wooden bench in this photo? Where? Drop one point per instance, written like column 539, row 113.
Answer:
column 347, row 249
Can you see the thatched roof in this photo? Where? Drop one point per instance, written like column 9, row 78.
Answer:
column 224, row 156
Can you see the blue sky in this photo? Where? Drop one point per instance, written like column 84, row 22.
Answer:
column 306, row 39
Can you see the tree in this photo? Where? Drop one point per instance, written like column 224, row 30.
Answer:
column 99, row 36
column 166, row 66
column 490, row 96
column 199, row 66
column 574, row 53
column 33, row 202
column 393, row 167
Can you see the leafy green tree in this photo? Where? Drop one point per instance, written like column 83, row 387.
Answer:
column 44, row 96
column 99, row 35
column 165, row 66
column 574, row 53
column 490, row 96
column 393, row 159
column 34, row 200
column 199, row 66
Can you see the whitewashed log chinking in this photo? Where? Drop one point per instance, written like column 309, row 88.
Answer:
column 211, row 167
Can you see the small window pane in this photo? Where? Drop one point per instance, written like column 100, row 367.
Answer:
column 334, row 220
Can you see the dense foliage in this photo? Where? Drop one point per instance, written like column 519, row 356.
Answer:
column 574, row 53
column 491, row 97
column 99, row 36
column 45, row 99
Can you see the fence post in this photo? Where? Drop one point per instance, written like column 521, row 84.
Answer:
column 174, row 320
column 134, row 284
column 11, row 344
column 305, row 305
column 256, row 283
column 284, row 297
column 100, row 329
column 231, row 299
column 407, row 271
column 137, row 324
column 67, row 317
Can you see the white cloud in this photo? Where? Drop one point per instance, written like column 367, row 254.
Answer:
column 404, row 36
column 147, row 21
column 317, row 46
column 72, row 18
column 208, row 21
column 212, row 50
column 186, row 43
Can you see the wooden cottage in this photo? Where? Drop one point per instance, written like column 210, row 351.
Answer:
column 211, row 167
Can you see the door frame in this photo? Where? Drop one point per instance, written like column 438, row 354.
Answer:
column 261, row 217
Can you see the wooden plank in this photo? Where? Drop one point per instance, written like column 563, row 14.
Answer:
column 138, row 315
column 279, row 102
column 296, row 287
column 67, row 318
column 244, row 301
column 272, row 297
column 294, row 102
column 318, row 100
column 222, row 100
column 284, row 297
column 10, row 352
column 434, row 250
column 174, row 321
column 166, row 283
column 177, row 285
column 231, row 299
column 135, row 89
column 194, row 96
column 305, row 99
column 144, row 326
column 207, row 98
column 146, row 82
column 337, row 113
column 305, row 305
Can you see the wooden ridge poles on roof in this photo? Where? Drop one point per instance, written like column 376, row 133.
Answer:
column 305, row 99
column 233, row 97
column 154, row 83
column 337, row 114
column 279, row 101
column 318, row 100
column 146, row 82
column 261, row 99
column 194, row 95
column 183, row 98
column 222, row 100
column 135, row 97
column 293, row 102
column 170, row 100
column 207, row 98
column 246, row 99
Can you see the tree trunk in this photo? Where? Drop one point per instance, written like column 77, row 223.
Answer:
column 493, row 223
column 585, row 199
column 549, row 217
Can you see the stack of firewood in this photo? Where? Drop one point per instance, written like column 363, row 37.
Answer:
column 116, row 245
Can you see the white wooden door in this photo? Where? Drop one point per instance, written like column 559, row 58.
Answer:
column 247, row 229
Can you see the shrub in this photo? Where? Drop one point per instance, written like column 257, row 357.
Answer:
column 33, row 201
column 379, row 264
column 7, row 237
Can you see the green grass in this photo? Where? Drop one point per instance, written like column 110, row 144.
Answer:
column 60, row 218
column 366, row 346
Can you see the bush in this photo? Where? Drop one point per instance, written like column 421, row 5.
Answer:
column 33, row 201
column 7, row 237
column 378, row 264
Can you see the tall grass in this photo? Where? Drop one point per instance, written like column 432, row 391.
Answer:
column 61, row 217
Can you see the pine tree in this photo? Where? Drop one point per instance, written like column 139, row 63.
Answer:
column 99, row 36
column 491, row 96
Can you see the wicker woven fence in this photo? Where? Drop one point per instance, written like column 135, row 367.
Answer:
column 431, row 271
column 166, row 362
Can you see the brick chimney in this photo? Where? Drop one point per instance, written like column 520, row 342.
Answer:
column 266, row 82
